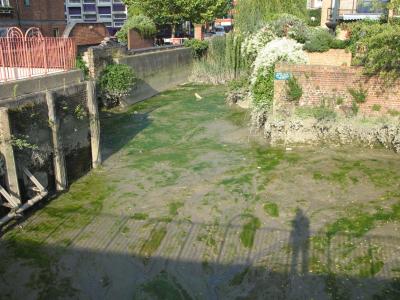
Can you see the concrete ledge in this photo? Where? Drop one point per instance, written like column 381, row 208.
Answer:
column 19, row 88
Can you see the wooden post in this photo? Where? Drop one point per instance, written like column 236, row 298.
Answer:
column 8, row 153
column 60, row 172
column 94, row 123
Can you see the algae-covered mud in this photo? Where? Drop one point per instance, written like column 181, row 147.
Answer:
column 188, row 205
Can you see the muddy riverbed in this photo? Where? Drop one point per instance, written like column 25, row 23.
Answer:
column 190, row 205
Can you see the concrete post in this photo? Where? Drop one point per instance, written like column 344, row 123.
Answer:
column 60, row 172
column 326, row 5
column 8, row 153
column 94, row 123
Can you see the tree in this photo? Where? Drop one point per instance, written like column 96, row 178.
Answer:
column 174, row 12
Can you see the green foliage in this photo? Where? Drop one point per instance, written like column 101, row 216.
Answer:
column 314, row 17
column 80, row 64
column 339, row 44
column 80, row 112
column 140, row 216
column 21, row 143
column 376, row 107
column 223, row 61
column 294, row 90
column 320, row 40
column 199, row 48
column 253, row 14
column 320, row 113
column 116, row 82
column 173, row 12
column 142, row 24
column 359, row 95
column 151, row 245
column 366, row 43
column 263, row 89
column 290, row 26
column 393, row 112
column 355, row 108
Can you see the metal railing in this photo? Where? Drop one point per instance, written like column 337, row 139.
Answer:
column 35, row 55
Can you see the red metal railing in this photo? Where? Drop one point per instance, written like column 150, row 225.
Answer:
column 24, row 57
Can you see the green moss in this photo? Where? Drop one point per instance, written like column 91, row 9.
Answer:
column 271, row 209
column 151, row 245
column 249, row 230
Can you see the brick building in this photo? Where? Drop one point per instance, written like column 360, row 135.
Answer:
column 47, row 15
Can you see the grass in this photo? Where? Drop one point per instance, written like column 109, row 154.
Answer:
column 271, row 209
column 174, row 207
column 249, row 231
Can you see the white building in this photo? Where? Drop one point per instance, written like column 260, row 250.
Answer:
column 112, row 13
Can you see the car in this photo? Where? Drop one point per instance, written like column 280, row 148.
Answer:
column 219, row 30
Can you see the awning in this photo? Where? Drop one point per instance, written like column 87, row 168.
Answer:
column 355, row 17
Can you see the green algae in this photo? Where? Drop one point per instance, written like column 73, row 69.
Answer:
column 249, row 230
column 154, row 241
column 271, row 209
column 165, row 287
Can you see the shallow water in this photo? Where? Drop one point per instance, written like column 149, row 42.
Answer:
column 189, row 205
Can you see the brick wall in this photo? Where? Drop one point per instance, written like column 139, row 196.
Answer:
column 333, row 57
column 48, row 15
column 330, row 83
column 86, row 34
column 136, row 41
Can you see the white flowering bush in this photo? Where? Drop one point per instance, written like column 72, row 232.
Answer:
column 279, row 50
column 262, row 78
column 255, row 42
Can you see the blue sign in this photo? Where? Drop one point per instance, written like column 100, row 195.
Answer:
column 282, row 76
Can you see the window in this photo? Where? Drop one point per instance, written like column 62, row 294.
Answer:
column 27, row 2
column 56, row 32
column 371, row 6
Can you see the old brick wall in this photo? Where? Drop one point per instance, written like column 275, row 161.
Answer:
column 136, row 41
column 330, row 83
column 333, row 57
column 86, row 34
column 48, row 15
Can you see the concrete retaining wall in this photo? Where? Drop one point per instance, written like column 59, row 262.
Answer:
column 54, row 133
column 158, row 71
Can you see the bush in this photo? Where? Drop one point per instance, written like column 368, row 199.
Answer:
column 339, row 44
column 359, row 95
column 314, row 17
column 263, row 90
column 366, row 43
column 199, row 48
column 291, row 27
column 116, row 82
column 80, row 64
column 294, row 90
column 142, row 24
column 320, row 40
column 320, row 113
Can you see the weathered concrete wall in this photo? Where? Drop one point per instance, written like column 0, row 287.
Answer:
column 158, row 71
column 12, row 90
column 51, row 133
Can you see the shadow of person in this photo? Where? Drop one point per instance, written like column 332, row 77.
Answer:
column 299, row 242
